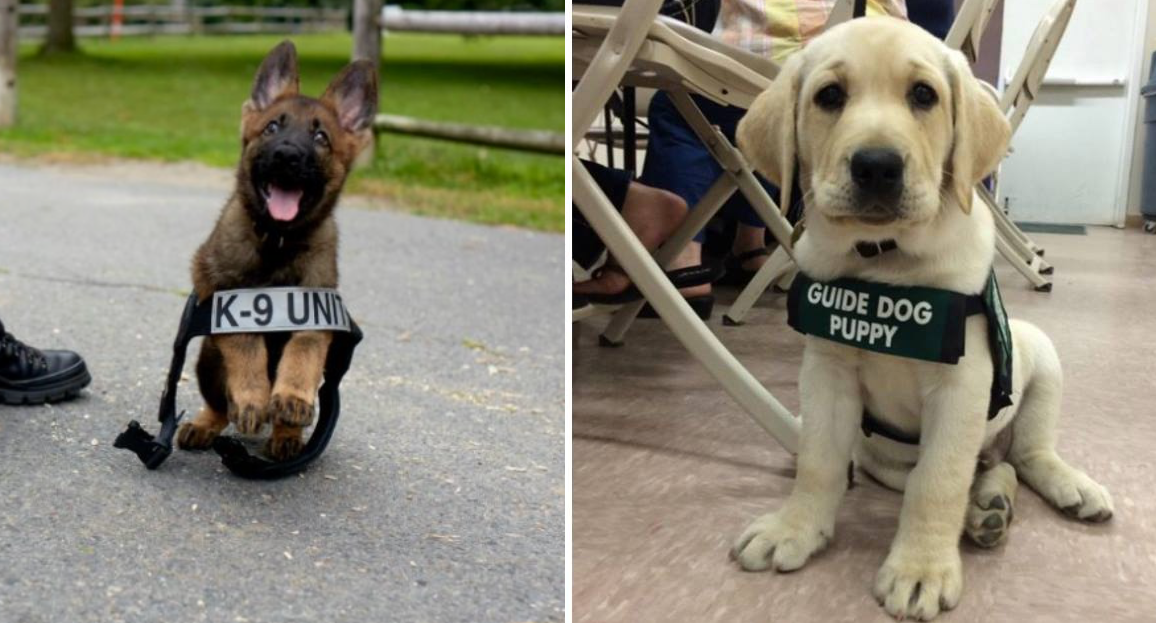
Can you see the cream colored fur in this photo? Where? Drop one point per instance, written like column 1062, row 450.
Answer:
column 942, row 243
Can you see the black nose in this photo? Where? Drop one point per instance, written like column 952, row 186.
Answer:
column 878, row 173
column 287, row 155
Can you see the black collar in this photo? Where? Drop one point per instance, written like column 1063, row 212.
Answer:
column 871, row 249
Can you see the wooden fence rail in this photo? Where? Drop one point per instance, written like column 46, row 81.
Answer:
column 473, row 22
column 369, row 21
column 540, row 141
column 141, row 20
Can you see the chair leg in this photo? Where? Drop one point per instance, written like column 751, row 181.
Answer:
column 1004, row 220
column 610, row 64
column 677, row 314
column 1030, row 272
column 703, row 212
column 732, row 161
column 580, row 273
column 1020, row 243
column 775, row 268
column 736, row 168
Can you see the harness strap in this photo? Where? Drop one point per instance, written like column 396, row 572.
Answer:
column 959, row 306
column 871, row 425
column 990, row 304
column 196, row 321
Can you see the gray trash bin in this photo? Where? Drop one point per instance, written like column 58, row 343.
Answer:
column 1148, row 194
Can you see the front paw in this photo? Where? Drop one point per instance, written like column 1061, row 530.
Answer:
column 290, row 411
column 1079, row 497
column 247, row 417
column 284, row 444
column 917, row 584
column 783, row 540
column 192, row 436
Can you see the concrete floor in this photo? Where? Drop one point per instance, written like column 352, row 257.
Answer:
column 668, row 469
column 440, row 497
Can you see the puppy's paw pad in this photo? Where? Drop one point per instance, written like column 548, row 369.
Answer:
column 290, row 410
column 919, row 586
column 283, row 448
column 775, row 542
column 989, row 519
column 193, row 437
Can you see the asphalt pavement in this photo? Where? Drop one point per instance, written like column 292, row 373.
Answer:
column 440, row 498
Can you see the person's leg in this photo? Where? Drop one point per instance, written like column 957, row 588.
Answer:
column 934, row 16
column 32, row 376
column 653, row 215
column 748, row 249
column 678, row 162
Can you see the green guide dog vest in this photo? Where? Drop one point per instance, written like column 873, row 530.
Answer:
column 914, row 322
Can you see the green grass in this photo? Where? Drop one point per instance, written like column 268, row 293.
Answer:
column 179, row 98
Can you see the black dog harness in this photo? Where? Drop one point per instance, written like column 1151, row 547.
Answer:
column 269, row 310
column 906, row 321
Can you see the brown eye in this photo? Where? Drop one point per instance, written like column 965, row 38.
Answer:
column 923, row 96
column 320, row 138
column 831, row 97
column 273, row 128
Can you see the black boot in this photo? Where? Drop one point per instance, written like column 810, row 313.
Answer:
column 31, row 376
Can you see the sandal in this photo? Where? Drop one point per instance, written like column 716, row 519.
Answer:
column 702, row 305
column 738, row 276
column 681, row 278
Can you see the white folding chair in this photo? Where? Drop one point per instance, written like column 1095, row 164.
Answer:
column 1018, row 95
column 1019, row 250
column 634, row 45
column 681, row 60
column 967, row 29
column 732, row 76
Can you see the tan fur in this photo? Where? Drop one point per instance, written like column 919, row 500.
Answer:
column 964, row 130
column 204, row 427
column 981, row 132
column 940, row 243
column 237, row 374
column 246, row 380
column 768, row 134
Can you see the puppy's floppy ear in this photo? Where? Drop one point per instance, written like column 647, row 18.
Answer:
column 980, row 131
column 276, row 78
column 766, row 134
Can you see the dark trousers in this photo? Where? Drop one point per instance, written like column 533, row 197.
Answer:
column 677, row 161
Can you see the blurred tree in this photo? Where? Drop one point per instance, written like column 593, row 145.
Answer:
column 60, row 37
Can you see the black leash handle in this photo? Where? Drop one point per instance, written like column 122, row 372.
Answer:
column 151, row 450
column 196, row 321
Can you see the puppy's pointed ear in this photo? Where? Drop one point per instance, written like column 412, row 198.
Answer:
column 276, row 78
column 353, row 94
column 980, row 132
column 767, row 133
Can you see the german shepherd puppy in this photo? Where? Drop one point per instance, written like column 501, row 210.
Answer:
column 277, row 229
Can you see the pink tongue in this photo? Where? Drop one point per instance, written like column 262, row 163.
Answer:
column 283, row 204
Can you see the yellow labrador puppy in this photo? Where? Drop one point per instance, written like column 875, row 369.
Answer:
column 890, row 133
